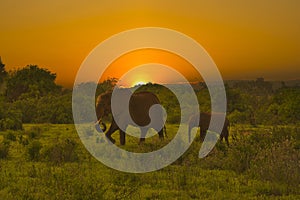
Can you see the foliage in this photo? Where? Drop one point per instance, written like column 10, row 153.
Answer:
column 266, row 154
column 106, row 85
column 34, row 132
column 10, row 117
column 254, row 166
column 32, row 80
column 4, row 149
column 10, row 136
column 34, row 150
column 286, row 105
column 278, row 163
column 3, row 72
column 40, row 100
column 85, row 94
column 60, row 152
column 237, row 117
column 262, row 161
column 48, row 109
column 55, row 109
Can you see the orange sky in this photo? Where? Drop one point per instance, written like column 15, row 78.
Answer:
column 246, row 39
column 139, row 57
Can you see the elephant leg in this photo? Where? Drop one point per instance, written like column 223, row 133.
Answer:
column 113, row 127
column 161, row 134
column 224, row 134
column 202, row 134
column 143, row 135
column 122, row 137
column 221, row 136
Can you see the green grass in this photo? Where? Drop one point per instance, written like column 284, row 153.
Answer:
column 217, row 176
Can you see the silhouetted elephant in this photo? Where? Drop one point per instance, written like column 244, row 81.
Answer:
column 139, row 105
column 203, row 123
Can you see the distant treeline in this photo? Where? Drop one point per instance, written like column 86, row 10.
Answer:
column 30, row 95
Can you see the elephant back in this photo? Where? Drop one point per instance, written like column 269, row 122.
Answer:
column 139, row 107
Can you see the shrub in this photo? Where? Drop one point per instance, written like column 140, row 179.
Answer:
column 61, row 152
column 34, row 132
column 11, row 119
column 4, row 149
column 10, row 136
column 279, row 163
column 240, row 156
column 238, row 117
column 34, row 150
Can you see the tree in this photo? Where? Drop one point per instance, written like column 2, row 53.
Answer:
column 54, row 109
column 3, row 73
column 106, row 85
column 31, row 78
column 10, row 117
column 289, row 107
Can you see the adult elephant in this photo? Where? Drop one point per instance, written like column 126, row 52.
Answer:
column 204, row 122
column 139, row 107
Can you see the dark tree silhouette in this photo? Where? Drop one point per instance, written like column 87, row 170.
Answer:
column 3, row 73
column 33, row 80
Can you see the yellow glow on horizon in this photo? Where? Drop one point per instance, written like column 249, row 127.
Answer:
column 139, row 83
column 139, row 57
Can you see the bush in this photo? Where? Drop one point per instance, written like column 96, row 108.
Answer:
column 61, row 152
column 4, row 148
column 238, row 117
column 279, row 163
column 10, row 118
column 34, row 150
column 34, row 132
column 240, row 156
column 241, row 152
column 31, row 79
column 56, row 109
column 10, row 136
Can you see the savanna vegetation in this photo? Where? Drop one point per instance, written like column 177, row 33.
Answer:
column 42, row 157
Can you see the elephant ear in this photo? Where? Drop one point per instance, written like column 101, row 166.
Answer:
column 103, row 105
column 106, row 102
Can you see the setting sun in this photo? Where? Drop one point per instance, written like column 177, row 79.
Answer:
column 139, row 83
column 142, row 66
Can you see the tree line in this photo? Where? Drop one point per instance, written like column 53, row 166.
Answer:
column 30, row 95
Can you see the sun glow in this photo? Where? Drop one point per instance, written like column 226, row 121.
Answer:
column 151, row 73
column 139, row 83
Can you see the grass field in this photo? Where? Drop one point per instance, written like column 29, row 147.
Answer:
column 49, row 161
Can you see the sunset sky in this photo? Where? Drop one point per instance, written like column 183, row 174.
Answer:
column 246, row 39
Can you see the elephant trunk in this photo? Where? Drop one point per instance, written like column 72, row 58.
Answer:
column 104, row 126
column 98, row 128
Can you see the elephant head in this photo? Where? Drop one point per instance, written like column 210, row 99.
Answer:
column 103, row 109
